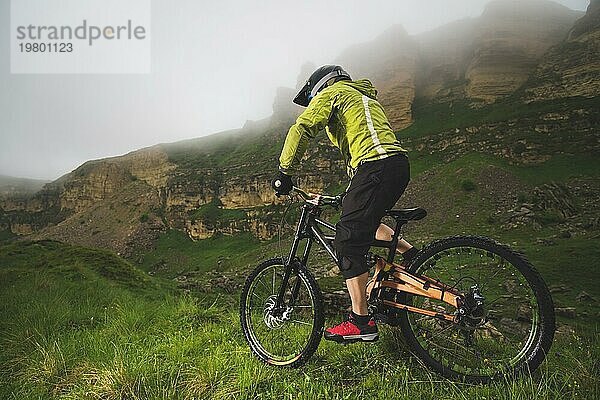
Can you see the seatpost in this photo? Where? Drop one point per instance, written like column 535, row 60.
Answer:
column 394, row 243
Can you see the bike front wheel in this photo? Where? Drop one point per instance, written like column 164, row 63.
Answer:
column 506, row 330
column 289, row 334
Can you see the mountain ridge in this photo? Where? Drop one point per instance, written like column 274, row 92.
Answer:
column 18, row 186
column 186, row 181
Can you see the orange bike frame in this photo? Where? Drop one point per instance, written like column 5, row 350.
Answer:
column 416, row 285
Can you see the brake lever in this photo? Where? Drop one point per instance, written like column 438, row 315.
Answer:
column 338, row 201
column 319, row 199
column 316, row 200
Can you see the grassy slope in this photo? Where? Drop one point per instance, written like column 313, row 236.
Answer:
column 80, row 323
column 6, row 235
column 176, row 253
column 68, row 331
column 431, row 118
column 448, row 184
column 228, row 149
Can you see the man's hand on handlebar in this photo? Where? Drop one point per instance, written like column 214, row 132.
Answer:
column 282, row 184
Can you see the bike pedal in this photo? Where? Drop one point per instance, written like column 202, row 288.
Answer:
column 346, row 342
column 370, row 340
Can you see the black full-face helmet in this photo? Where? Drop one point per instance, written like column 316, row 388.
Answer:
column 317, row 82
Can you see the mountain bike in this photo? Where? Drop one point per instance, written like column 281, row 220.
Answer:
column 469, row 307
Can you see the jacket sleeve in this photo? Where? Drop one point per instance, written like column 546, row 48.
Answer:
column 308, row 124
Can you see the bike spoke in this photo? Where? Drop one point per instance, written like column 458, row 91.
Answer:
column 266, row 287
column 301, row 322
column 261, row 299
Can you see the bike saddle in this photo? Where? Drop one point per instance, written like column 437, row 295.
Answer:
column 407, row 214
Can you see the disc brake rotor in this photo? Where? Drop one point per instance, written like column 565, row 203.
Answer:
column 273, row 319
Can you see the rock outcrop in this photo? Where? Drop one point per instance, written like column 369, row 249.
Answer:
column 93, row 182
column 492, row 56
column 104, row 203
column 572, row 68
column 512, row 36
column 482, row 59
column 124, row 220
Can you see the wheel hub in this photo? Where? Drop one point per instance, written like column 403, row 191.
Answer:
column 274, row 317
column 472, row 314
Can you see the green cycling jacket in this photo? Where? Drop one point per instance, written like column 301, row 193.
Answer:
column 354, row 121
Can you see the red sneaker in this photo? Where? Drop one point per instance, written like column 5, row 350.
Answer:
column 349, row 332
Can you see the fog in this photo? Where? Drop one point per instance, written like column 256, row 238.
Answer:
column 214, row 65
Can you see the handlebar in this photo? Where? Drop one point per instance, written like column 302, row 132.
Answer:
column 314, row 198
column 318, row 199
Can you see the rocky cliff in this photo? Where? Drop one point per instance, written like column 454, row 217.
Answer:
column 482, row 59
column 220, row 184
column 511, row 38
column 572, row 67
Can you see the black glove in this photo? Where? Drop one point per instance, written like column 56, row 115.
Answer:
column 282, row 184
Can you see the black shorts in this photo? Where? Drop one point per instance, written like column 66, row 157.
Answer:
column 375, row 188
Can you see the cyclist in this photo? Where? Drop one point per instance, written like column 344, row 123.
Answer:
column 379, row 172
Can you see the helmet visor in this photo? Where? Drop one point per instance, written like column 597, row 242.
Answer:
column 302, row 97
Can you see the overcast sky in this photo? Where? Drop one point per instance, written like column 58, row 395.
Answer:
column 215, row 64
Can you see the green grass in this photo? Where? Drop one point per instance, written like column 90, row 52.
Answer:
column 6, row 236
column 570, row 262
column 81, row 323
column 546, row 218
column 457, row 181
column 66, row 337
column 432, row 118
column 559, row 168
column 421, row 162
column 76, row 262
column 175, row 253
column 228, row 149
column 468, row 185
column 213, row 212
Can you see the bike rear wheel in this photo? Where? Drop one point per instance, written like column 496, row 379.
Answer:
column 287, row 336
column 507, row 335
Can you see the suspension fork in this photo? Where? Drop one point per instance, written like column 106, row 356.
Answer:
column 304, row 261
column 291, row 261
